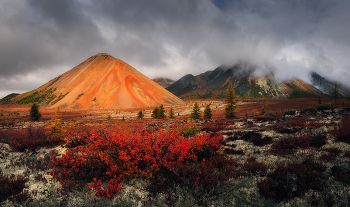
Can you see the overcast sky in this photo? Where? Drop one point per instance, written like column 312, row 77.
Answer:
column 41, row 39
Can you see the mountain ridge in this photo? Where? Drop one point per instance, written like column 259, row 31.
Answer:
column 100, row 81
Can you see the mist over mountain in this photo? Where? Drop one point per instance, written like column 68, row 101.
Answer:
column 248, row 80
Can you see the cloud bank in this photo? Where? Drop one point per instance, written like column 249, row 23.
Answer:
column 42, row 39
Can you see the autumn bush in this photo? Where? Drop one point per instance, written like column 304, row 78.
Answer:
column 12, row 187
column 113, row 157
column 292, row 180
column 291, row 125
column 298, row 141
column 22, row 139
column 342, row 131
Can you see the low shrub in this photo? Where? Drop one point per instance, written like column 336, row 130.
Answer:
column 342, row 131
column 323, row 107
column 121, row 154
column 214, row 126
column 254, row 167
column 290, row 112
column 297, row 141
column 292, row 180
column 233, row 151
column 12, row 187
column 289, row 126
column 22, row 139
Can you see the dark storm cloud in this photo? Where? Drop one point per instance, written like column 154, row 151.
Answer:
column 41, row 39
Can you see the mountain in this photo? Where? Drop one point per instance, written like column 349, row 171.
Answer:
column 164, row 82
column 101, row 81
column 12, row 95
column 327, row 86
column 213, row 84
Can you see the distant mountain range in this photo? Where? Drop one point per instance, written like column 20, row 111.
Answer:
column 164, row 82
column 213, row 84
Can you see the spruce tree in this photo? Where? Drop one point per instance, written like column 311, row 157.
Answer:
column 155, row 113
column 207, row 112
column 335, row 93
column 196, row 112
column 171, row 113
column 161, row 114
column 231, row 100
column 34, row 112
column 140, row 115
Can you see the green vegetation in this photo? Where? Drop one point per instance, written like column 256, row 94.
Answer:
column 196, row 112
column 289, row 112
column 59, row 98
column 140, row 115
column 231, row 100
column 34, row 112
column 94, row 99
column 298, row 93
column 208, row 112
column 158, row 113
column 326, row 106
column 79, row 96
column 36, row 97
column 171, row 113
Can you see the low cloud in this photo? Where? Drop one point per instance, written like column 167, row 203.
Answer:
column 43, row 39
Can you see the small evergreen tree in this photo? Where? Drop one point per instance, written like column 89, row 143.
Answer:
column 335, row 94
column 231, row 100
column 171, row 113
column 208, row 112
column 34, row 112
column 140, row 115
column 161, row 114
column 155, row 113
column 263, row 110
column 196, row 112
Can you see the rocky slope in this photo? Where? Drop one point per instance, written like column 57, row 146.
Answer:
column 327, row 86
column 214, row 83
column 164, row 82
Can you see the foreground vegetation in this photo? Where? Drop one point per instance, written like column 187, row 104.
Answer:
column 291, row 158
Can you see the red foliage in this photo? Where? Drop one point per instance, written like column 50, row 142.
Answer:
column 302, row 141
column 290, row 126
column 122, row 153
column 22, row 139
column 342, row 131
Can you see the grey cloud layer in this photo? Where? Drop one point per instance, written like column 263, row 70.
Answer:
column 42, row 39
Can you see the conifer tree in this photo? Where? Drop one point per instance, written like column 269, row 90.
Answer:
column 55, row 130
column 335, row 93
column 196, row 112
column 140, row 115
column 231, row 100
column 171, row 113
column 208, row 112
column 34, row 112
column 155, row 113
column 161, row 113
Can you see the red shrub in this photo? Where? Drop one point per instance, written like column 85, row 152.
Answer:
column 118, row 155
column 22, row 139
column 293, row 180
column 12, row 187
column 290, row 126
column 302, row 141
column 342, row 131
